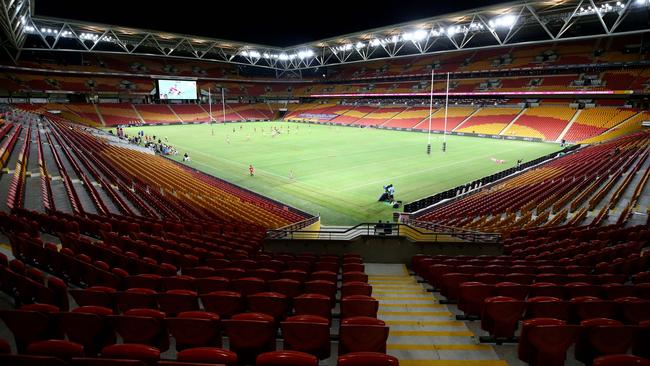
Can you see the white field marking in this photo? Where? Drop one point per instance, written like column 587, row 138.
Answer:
column 418, row 172
column 362, row 165
column 320, row 189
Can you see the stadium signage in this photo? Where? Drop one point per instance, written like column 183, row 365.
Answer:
column 566, row 92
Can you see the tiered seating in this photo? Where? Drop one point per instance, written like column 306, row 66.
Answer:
column 130, row 295
column 317, row 112
column 631, row 125
column 134, row 166
column 252, row 112
column 353, row 115
column 218, row 112
column 118, row 114
column 156, row 113
column 560, row 286
column 618, row 80
column 489, row 120
column 594, row 121
column 409, row 118
column 455, row 115
column 379, row 116
column 86, row 111
column 190, row 112
column 562, row 186
column 554, row 83
column 546, row 122
column 10, row 135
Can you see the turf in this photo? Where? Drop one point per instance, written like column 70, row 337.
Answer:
column 338, row 172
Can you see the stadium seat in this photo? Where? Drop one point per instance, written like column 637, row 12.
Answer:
column 362, row 334
column 500, row 315
column 296, row 328
column 147, row 354
column 173, row 302
column 366, row 359
column 142, row 326
column 313, row 304
column 250, row 334
column 359, row 305
column 61, row 349
column 209, row 355
column 87, row 325
column 286, row 358
column 223, row 303
column 621, row 360
column 550, row 343
column 193, row 329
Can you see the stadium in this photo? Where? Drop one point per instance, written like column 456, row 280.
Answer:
column 468, row 189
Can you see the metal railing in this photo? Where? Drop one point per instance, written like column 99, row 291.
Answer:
column 412, row 232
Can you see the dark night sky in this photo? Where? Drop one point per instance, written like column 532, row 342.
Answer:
column 278, row 23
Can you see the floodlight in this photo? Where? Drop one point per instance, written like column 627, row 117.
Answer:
column 304, row 54
column 359, row 45
column 504, row 21
column 419, row 35
column 284, row 56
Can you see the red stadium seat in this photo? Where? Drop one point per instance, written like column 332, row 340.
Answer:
column 250, row 334
column 621, row 360
column 525, row 351
column 88, row 326
column 94, row 296
column 307, row 333
column 210, row 284
column 362, row 334
column 223, row 303
column 177, row 301
column 194, row 329
column 209, row 355
column 147, row 354
column 500, row 315
column 471, row 296
column 367, row 359
column 142, row 326
column 359, row 305
column 313, row 304
column 287, row 287
column 271, row 303
column 286, row 358
column 550, row 343
column 61, row 349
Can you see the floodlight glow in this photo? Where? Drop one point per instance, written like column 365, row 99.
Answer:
column 503, row 21
column 453, row 30
column 375, row 42
column 305, row 53
column 283, row 56
column 418, row 35
column 359, row 45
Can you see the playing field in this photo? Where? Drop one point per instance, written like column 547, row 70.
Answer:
column 335, row 171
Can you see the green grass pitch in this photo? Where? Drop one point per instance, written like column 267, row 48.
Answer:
column 337, row 171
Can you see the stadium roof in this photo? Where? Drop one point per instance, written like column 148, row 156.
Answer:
column 508, row 24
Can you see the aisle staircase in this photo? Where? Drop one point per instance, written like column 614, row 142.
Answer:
column 423, row 332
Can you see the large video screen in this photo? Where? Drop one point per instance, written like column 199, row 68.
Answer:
column 177, row 89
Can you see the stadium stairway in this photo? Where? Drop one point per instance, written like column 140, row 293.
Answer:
column 423, row 332
column 566, row 129
column 639, row 213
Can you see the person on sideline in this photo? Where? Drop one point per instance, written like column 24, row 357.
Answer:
column 251, row 170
